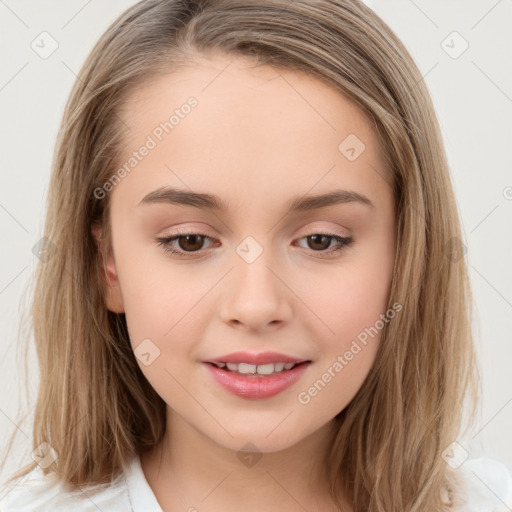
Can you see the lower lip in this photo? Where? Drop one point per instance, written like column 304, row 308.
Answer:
column 254, row 386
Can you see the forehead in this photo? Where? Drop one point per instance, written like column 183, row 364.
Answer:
column 240, row 91
column 253, row 127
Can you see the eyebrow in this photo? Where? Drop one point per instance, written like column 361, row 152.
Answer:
column 213, row 202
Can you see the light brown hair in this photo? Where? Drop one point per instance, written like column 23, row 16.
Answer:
column 95, row 407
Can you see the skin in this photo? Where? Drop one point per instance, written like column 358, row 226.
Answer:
column 257, row 138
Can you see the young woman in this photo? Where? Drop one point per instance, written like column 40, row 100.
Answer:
column 254, row 296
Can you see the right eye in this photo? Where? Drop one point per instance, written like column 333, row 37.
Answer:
column 193, row 240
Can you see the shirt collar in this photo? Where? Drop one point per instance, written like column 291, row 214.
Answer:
column 140, row 493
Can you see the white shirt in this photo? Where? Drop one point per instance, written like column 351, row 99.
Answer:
column 485, row 485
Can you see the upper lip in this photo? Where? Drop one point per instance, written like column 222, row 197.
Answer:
column 256, row 359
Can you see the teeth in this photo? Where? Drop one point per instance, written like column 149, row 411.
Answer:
column 246, row 368
column 262, row 369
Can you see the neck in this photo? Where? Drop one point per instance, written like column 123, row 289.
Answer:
column 189, row 470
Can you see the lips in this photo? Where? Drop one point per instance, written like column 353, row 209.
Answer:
column 256, row 386
column 256, row 376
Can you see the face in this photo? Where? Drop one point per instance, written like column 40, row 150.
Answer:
column 254, row 274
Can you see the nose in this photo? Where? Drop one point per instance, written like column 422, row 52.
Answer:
column 256, row 296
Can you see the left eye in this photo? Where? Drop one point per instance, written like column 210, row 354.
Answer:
column 192, row 242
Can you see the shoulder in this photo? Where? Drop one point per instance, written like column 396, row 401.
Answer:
column 45, row 493
column 482, row 484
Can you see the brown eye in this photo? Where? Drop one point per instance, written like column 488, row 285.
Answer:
column 190, row 243
column 181, row 244
column 320, row 243
column 317, row 244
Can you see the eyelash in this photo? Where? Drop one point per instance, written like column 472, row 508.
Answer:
column 165, row 243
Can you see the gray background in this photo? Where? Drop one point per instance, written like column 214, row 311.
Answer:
column 473, row 98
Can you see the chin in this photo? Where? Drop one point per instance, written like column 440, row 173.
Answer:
column 258, row 440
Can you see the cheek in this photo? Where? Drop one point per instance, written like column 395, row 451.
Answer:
column 350, row 306
column 348, row 338
column 352, row 293
column 158, row 296
column 347, row 301
column 164, row 310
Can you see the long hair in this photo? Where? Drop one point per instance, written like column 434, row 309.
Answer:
column 94, row 406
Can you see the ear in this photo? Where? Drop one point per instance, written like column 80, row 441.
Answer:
column 113, row 296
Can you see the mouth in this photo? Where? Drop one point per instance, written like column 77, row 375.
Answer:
column 256, row 381
column 260, row 370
